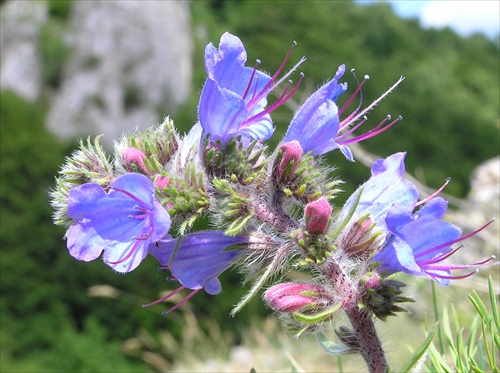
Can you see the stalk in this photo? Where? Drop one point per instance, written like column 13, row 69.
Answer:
column 369, row 343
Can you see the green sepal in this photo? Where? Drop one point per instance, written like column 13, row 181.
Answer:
column 316, row 318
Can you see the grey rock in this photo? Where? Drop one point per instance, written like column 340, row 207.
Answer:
column 130, row 65
column 20, row 65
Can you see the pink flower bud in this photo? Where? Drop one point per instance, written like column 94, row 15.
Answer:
column 371, row 280
column 291, row 152
column 317, row 215
column 136, row 157
column 291, row 297
column 161, row 182
column 360, row 241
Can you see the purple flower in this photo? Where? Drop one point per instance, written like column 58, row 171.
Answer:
column 421, row 242
column 316, row 122
column 317, row 125
column 234, row 98
column 196, row 261
column 200, row 258
column 121, row 222
column 385, row 188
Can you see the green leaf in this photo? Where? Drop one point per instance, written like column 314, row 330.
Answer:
column 417, row 360
column 494, row 304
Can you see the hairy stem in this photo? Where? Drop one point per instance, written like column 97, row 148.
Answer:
column 370, row 346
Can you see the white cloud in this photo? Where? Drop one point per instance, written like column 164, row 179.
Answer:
column 465, row 17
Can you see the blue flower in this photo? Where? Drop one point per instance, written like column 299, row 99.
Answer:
column 196, row 261
column 121, row 222
column 200, row 258
column 421, row 242
column 317, row 125
column 234, row 97
column 316, row 122
column 385, row 188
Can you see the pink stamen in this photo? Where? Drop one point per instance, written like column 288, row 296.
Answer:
column 353, row 96
column 372, row 133
column 169, row 295
column 353, row 129
column 459, row 239
column 273, row 78
column 131, row 196
column 444, row 277
column 285, row 96
column 458, row 266
column 439, row 258
column 425, row 200
column 345, row 134
column 189, row 296
column 350, row 120
column 251, row 79
column 142, row 237
column 268, row 88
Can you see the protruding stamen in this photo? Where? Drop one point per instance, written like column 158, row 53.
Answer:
column 444, row 277
column 142, row 237
column 353, row 96
column 169, row 295
column 257, row 63
column 461, row 266
column 373, row 132
column 268, row 87
column 348, row 121
column 131, row 196
column 189, row 296
column 425, row 200
column 459, row 239
column 285, row 96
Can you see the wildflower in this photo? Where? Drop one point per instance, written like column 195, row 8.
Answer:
column 421, row 242
column 317, row 125
column 234, row 98
column 121, row 222
column 196, row 260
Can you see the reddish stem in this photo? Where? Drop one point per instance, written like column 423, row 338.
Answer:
column 361, row 320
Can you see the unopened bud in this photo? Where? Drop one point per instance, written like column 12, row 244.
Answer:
column 317, row 215
column 291, row 297
column 135, row 157
column 161, row 182
column 371, row 280
column 290, row 154
column 360, row 242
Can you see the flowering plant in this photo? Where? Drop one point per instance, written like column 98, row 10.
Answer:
column 270, row 211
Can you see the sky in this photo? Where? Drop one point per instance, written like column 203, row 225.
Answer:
column 465, row 17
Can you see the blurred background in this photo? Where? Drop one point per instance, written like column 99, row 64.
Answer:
column 75, row 68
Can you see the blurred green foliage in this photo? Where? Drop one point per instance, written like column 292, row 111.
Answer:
column 449, row 101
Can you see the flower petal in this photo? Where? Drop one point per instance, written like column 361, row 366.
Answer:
column 84, row 243
column 316, row 122
column 200, row 258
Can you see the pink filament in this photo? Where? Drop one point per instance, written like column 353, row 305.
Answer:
column 189, row 296
column 459, row 239
column 142, row 237
column 165, row 297
column 425, row 200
